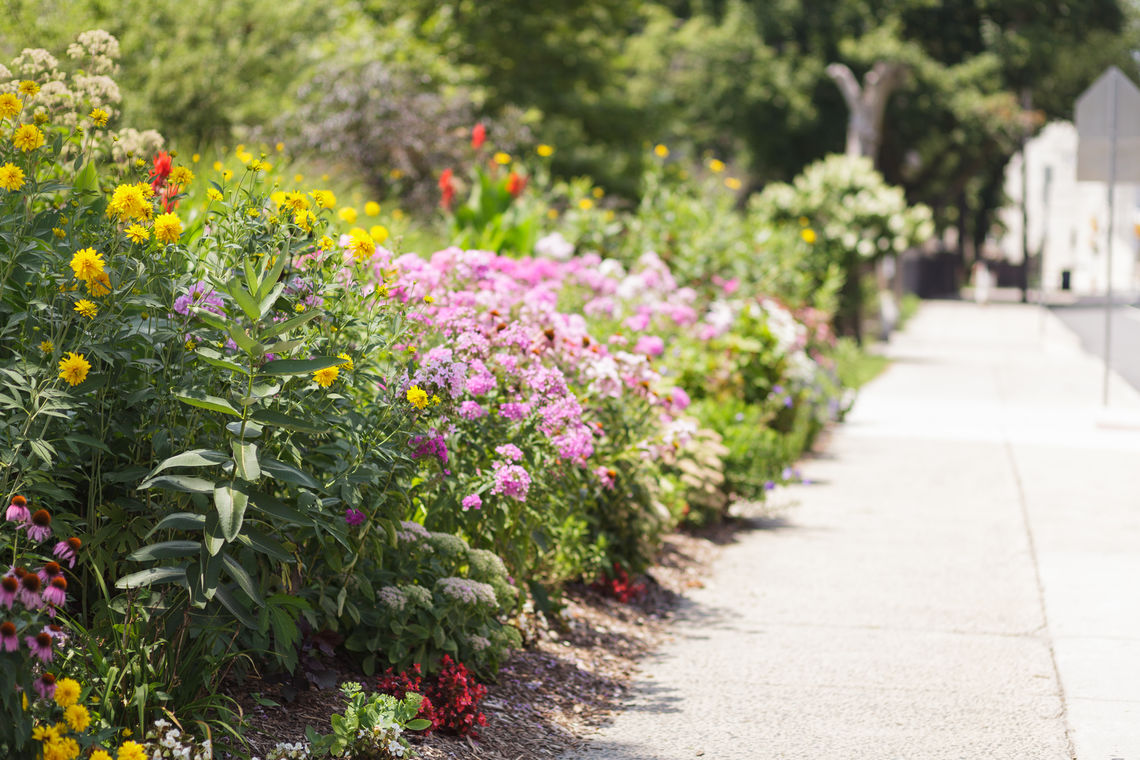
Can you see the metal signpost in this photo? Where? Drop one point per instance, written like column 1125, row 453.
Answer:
column 1108, row 150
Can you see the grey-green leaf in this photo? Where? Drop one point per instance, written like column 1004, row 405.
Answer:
column 165, row 550
column 153, row 575
column 230, row 504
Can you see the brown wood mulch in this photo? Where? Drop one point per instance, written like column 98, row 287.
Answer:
column 551, row 695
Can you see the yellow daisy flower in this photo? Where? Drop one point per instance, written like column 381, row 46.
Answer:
column 417, row 397
column 73, row 368
column 86, row 308
column 11, row 177
column 28, row 137
column 167, row 228
column 325, row 377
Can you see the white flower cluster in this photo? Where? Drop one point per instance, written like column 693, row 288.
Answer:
column 288, row 751
column 165, row 741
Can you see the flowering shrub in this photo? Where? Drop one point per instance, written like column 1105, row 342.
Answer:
column 847, row 214
column 32, row 592
column 371, row 728
column 451, row 698
column 434, row 596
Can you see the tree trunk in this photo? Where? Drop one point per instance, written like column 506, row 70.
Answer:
column 866, row 104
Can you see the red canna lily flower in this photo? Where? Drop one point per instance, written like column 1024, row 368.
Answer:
column 515, row 184
column 446, row 188
column 478, row 136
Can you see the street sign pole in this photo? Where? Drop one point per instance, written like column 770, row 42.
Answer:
column 1108, row 150
column 1112, row 108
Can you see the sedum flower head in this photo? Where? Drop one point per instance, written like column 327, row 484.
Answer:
column 73, row 368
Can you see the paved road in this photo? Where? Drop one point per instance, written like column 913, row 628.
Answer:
column 958, row 582
column 1088, row 323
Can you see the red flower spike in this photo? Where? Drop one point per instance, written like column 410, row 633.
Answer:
column 478, row 136
column 515, row 184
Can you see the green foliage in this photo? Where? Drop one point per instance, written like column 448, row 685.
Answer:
column 371, row 727
column 432, row 595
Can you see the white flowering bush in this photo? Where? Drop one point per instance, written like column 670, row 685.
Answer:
column 847, row 215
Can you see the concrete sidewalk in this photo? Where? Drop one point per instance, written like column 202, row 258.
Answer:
column 959, row 581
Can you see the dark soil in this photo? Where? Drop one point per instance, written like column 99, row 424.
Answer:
column 549, row 696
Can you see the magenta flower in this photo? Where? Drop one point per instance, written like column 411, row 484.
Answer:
column 18, row 510
column 510, row 452
column 472, row 501
column 9, row 641
column 29, row 595
column 511, row 480
column 40, row 646
column 65, row 550
column 470, row 410
column 39, row 528
column 56, row 592
column 9, row 585
column 650, row 345
column 45, row 686
column 353, row 517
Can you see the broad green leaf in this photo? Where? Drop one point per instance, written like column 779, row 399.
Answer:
column 245, row 460
column 87, row 440
column 288, row 324
column 210, row 356
column 243, row 579
column 280, row 510
column 243, row 299
column 300, row 366
column 204, row 401
column 260, row 542
column 212, row 537
column 287, row 473
column 210, row 318
column 165, row 550
column 153, row 575
column 226, row 597
column 183, row 483
column 275, row 418
column 419, row 724
column 230, row 504
column 244, row 342
column 87, row 180
column 179, row 521
column 274, row 274
column 251, row 429
column 192, row 458
column 267, row 302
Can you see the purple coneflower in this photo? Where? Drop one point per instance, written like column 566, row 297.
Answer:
column 39, row 529
column 30, row 591
column 56, row 592
column 9, row 641
column 66, row 550
column 17, row 510
column 45, row 686
column 40, row 645
column 49, row 571
column 9, row 585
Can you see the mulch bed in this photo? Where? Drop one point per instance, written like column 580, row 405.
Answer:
column 549, row 696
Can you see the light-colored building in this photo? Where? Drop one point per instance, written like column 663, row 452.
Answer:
column 1068, row 220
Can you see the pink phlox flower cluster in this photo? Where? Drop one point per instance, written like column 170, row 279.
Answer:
column 202, row 295
column 509, row 452
column 511, row 480
column 434, row 445
column 514, row 410
column 470, row 410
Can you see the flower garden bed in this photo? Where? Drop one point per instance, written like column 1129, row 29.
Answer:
column 250, row 448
